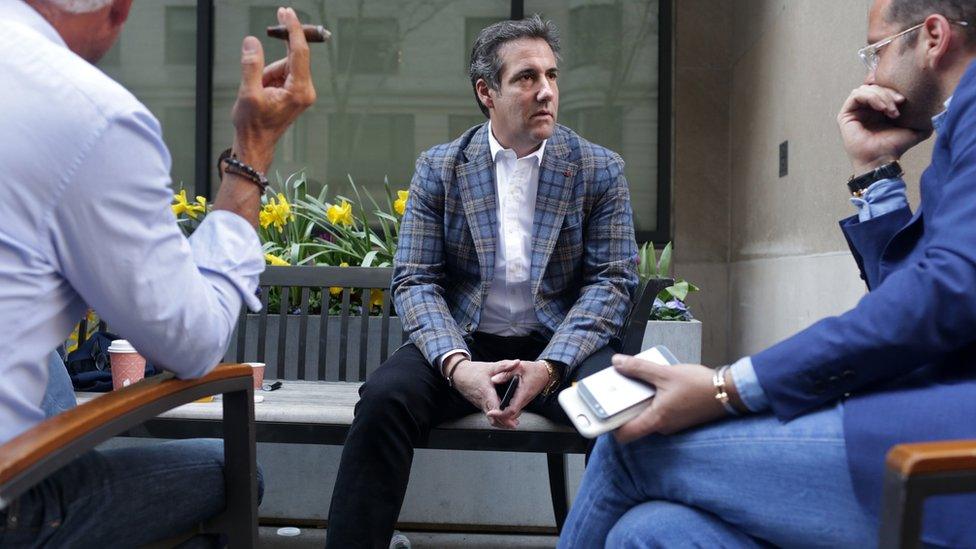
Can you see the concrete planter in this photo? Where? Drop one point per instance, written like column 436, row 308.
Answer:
column 682, row 338
column 332, row 348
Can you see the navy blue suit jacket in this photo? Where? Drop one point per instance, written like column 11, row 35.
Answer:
column 904, row 359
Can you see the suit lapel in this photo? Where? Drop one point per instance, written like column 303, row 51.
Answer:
column 476, row 184
column 551, row 204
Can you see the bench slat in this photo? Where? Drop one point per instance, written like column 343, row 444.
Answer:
column 302, row 332
column 344, row 333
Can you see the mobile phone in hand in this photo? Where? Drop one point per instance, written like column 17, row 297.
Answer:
column 509, row 393
column 607, row 399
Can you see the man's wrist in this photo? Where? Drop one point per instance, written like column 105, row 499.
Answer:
column 555, row 372
column 862, row 167
column 450, row 364
column 258, row 157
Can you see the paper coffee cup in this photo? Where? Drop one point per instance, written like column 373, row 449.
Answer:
column 127, row 365
column 258, row 373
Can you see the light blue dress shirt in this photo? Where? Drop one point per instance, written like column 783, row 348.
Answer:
column 85, row 221
column 886, row 195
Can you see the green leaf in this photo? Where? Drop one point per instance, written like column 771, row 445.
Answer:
column 368, row 259
column 664, row 263
column 679, row 290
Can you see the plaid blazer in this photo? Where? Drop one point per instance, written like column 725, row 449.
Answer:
column 584, row 257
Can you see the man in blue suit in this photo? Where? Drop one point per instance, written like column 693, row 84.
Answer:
column 803, row 464
column 516, row 258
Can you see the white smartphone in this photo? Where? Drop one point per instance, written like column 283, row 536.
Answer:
column 607, row 399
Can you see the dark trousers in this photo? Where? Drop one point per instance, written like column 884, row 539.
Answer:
column 399, row 404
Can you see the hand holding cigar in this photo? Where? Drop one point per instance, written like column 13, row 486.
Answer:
column 313, row 33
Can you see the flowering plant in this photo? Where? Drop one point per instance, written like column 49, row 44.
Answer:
column 669, row 304
column 298, row 228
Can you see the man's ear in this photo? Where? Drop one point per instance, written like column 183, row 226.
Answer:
column 120, row 12
column 484, row 93
column 936, row 39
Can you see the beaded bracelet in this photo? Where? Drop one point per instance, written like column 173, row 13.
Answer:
column 236, row 167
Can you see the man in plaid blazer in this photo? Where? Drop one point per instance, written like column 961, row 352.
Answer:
column 516, row 258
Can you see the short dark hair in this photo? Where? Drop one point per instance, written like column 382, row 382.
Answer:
column 912, row 12
column 485, row 62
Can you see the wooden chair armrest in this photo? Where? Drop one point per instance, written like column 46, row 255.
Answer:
column 933, row 457
column 37, row 453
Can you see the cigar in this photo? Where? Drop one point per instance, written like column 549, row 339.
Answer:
column 313, row 33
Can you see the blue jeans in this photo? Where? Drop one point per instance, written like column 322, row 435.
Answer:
column 59, row 395
column 122, row 497
column 744, row 482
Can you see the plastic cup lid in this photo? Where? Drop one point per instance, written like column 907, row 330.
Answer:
column 289, row 531
column 121, row 346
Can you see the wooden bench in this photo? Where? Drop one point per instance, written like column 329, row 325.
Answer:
column 323, row 363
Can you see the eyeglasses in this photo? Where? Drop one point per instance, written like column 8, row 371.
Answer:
column 869, row 54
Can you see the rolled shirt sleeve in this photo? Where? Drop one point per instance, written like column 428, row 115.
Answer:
column 746, row 382
column 883, row 196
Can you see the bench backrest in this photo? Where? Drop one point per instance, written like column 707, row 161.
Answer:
column 298, row 338
column 341, row 347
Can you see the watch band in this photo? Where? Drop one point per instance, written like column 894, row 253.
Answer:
column 857, row 185
column 553, row 378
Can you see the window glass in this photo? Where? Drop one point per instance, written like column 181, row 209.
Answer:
column 159, row 68
column 388, row 84
column 368, row 45
column 393, row 83
column 181, row 35
column 608, row 88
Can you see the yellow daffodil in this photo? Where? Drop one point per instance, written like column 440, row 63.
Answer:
column 181, row 205
column 276, row 212
column 340, row 214
column 375, row 298
column 400, row 205
column 275, row 260
column 336, row 290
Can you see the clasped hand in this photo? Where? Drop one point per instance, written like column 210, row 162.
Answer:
column 477, row 381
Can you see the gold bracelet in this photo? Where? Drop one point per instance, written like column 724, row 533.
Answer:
column 553, row 378
column 721, row 395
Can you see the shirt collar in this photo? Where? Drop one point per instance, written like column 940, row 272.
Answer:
column 939, row 119
column 495, row 147
column 19, row 12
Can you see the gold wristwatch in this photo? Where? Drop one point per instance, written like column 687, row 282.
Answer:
column 553, row 378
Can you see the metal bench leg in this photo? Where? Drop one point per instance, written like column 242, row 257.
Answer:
column 558, row 488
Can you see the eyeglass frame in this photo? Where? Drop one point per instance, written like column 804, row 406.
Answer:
column 869, row 54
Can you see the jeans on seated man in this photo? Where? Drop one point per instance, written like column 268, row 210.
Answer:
column 806, row 469
column 88, row 223
column 516, row 258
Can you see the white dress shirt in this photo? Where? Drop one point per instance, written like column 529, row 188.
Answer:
column 509, row 309
column 86, row 222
